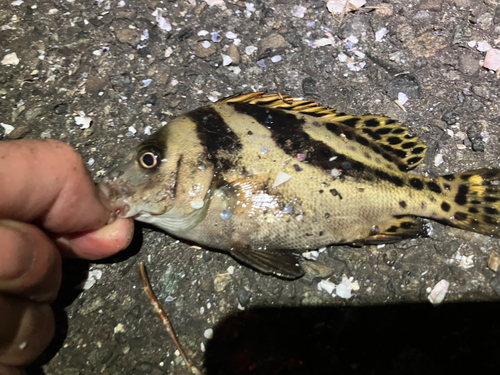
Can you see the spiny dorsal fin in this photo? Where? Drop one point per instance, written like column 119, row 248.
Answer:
column 390, row 135
column 282, row 101
column 382, row 131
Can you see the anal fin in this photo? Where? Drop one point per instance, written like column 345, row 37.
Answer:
column 399, row 228
column 278, row 263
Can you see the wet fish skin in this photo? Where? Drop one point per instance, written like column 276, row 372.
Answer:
column 211, row 176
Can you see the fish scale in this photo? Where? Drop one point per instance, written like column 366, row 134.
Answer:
column 265, row 177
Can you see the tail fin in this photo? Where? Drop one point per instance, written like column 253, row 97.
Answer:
column 471, row 201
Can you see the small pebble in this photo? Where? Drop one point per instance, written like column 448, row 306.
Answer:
column 231, row 35
column 276, row 58
column 209, row 333
column 380, row 34
column 249, row 50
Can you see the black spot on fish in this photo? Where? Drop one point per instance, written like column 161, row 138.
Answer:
column 394, row 140
column 407, row 136
column 491, row 211
column 383, row 131
column 327, row 215
column 221, row 143
column 392, row 229
column 449, row 177
column 491, row 175
column 398, row 130
column 473, row 210
column 489, row 220
column 390, row 178
column 408, row 145
column 297, row 168
column 445, row 206
column 400, row 153
column 460, row 216
column 390, row 121
column 416, row 183
column 402, row 204
column 372, row 123
column 348, row 135
column 372, row 134
column 321, row 233
column 387, row 157
column 476, row 202
column 434, row 187
column 367, row 155
column 321, row 191
column 491, row 199
column 407, row 224
column 250, row 132
column 362, row 140
column 332, row 127
column 461, row 197
column 414, row 160
column 465, row 177
column 350, row 122
column 447, row 187
column 417, row 150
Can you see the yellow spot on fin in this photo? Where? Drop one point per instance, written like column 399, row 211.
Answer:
column 390, row 135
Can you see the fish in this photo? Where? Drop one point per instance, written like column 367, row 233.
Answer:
column 266, row 177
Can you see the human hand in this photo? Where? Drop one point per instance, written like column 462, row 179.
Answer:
column 49, row 206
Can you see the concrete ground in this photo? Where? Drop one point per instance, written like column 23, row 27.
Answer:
column 131, row 66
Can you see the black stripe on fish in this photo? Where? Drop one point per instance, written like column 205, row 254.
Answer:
column 222, row 144
column 288, row 134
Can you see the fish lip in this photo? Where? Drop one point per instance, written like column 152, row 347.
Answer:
column 119, row 206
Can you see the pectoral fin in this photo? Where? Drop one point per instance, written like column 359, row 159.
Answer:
column 278, row 263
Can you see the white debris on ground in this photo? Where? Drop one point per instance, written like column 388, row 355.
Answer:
column 219, row 3
column 379, row 35
column 337, row 6
column 249, row 50
column 300, row 11
column 147, row 130
column 311, row 255
column 231, row 35
column 438, row 293
column 168, row 52
column 342, row 290
column 281, row 178
column 120, row 328
column 483, row 46
column 226, row 60
column 162, row 22
column 82, row 120
column 402, row 98
column 438, row 160
column 7, row 128
column 276, row 58
column 209, row 333
column 94, row 275
column 10, row 59
column 492, row 60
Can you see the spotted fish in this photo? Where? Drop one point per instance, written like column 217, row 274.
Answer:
column 266, row 177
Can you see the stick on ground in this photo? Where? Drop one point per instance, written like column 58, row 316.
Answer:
column 163, row 316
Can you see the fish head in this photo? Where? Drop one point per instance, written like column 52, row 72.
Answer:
column 144, row 184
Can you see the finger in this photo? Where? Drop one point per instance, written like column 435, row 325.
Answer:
column 26, row 330
column 30, row 262
column 99, row 243
column 9, row 370
column 46, row 181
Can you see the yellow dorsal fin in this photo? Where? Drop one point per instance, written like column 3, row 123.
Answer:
column 282, row 101
column 388, row 134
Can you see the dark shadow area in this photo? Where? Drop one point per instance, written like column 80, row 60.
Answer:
column 75, row 272
column 397, row 339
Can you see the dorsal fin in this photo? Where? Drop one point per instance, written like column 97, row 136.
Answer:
column 282, row 101
column 389, row 135
column 386, row 133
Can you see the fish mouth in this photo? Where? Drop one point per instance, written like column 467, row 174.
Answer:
column 120, row 208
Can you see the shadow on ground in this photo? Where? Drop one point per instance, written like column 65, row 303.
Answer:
column 397, row 339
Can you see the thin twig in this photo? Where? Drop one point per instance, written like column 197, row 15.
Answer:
column 343, row 12
column 163, row 316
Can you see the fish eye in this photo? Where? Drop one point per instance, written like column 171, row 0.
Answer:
column 149, row 159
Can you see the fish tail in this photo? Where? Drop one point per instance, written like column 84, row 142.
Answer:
column 470, row 200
